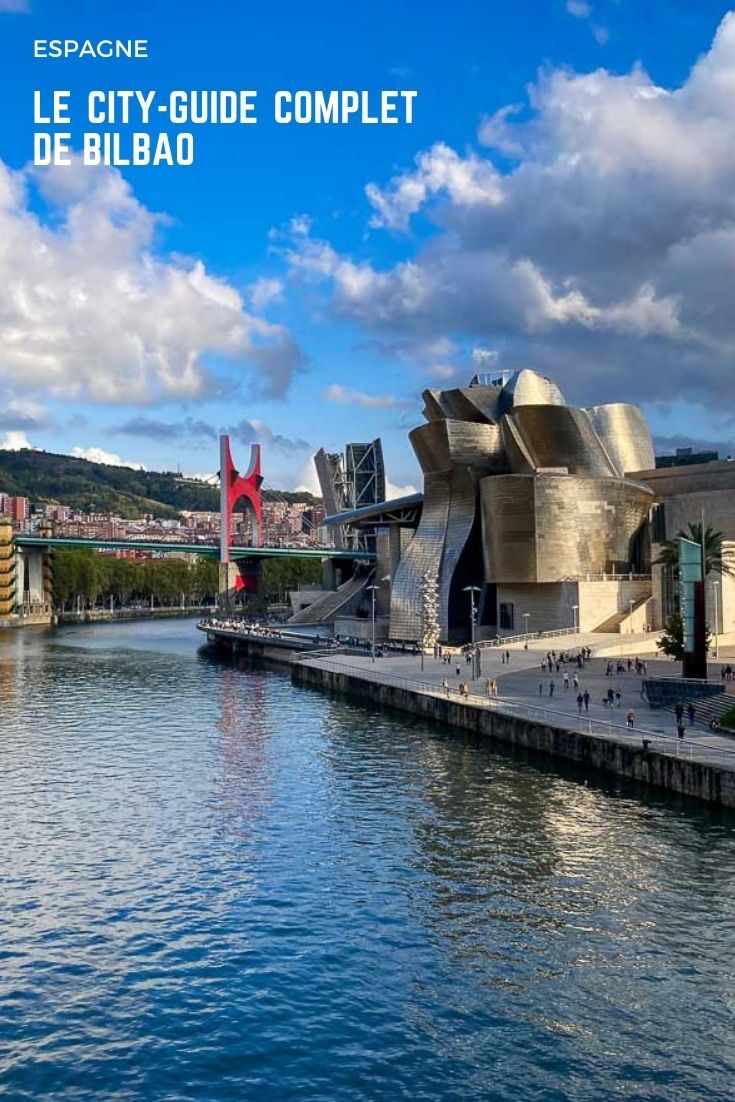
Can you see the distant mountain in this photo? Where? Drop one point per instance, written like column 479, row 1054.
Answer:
column 65, row 480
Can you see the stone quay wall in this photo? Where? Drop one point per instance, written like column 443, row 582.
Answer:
column 682, row 776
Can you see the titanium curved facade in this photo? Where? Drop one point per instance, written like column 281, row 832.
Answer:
column 624, row 433
column 547, row 528
column 560, row 437
column 454, row 456
column 520, row 488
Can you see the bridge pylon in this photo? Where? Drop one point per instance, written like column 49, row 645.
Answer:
column 236, row 487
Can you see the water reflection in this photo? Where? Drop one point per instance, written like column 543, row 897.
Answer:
column 217, row 886
column 244, row 728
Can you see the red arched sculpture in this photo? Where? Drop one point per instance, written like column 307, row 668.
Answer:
column 233, row 486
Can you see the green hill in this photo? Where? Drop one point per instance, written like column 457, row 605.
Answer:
column 97, row 487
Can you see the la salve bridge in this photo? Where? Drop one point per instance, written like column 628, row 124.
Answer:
column 26, row 577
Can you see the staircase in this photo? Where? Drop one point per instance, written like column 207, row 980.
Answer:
column 333, row 603
column 713, row 707
column 613, row 623
column 667, row 692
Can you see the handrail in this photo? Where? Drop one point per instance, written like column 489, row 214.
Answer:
column 595, row 727
column 501, row 641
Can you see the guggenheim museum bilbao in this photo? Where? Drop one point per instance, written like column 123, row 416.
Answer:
column 553, row 513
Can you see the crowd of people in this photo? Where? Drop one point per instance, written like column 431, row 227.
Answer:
column 240, row 626
column 244, row 627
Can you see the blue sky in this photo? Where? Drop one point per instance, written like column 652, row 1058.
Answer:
column 267, row 292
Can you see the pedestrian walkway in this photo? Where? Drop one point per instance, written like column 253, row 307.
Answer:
column 523, row 688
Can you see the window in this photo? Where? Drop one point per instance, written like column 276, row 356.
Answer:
column 506, row 616
column 658, row 523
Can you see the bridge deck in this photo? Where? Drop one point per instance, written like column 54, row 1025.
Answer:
column 208, row 549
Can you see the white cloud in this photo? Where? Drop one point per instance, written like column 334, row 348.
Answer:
column 15, row 442
column 580, row 9
column 265, row 291
column 99, row 455
column 90, row 309
column 26, row 408
column 604, row 255
column 391, row 490
column 469, row 182
column 345, row 396
column 307, row 479
column 21, row 413
column 485, row 359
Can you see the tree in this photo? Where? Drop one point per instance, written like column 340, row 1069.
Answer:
column 672, row 640
column 280, row 575
column 716, row 559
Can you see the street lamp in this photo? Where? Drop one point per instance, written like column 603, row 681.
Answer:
column 372, row 590
column 526, row 616
column 631, row 602
column 472, row 590
column 716, row 586
column 575, row 622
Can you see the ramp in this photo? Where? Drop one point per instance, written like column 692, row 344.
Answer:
column 337, row 602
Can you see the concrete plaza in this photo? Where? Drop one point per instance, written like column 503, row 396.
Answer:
column 522, row 683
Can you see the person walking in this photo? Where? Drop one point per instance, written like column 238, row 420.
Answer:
column 458, row 670
column 580, row 702
column 586, row 698
column 551, row 687
column 566, row 680
column 679, row 710
column 445, row 686
column 576, row 680
column 691, row 713
column 630, row 719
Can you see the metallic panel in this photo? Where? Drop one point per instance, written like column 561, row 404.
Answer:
column 625, row 435
column 559, row 436
column 441, row 445
column 446, row 522
column 454, row 456
column 528, row 388
column 462, row 404
column 550, row 527
column 519, row 457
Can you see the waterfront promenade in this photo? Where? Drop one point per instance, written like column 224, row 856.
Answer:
column 518, row 682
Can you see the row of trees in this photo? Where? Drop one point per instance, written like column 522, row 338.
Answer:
column 83, row 579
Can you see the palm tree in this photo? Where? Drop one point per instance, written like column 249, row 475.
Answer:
column 716, row 559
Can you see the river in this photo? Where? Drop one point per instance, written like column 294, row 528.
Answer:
column 216, row 887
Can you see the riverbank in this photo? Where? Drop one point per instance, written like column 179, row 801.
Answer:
column 101, row 616
column 525, row 713
column 702, row 767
